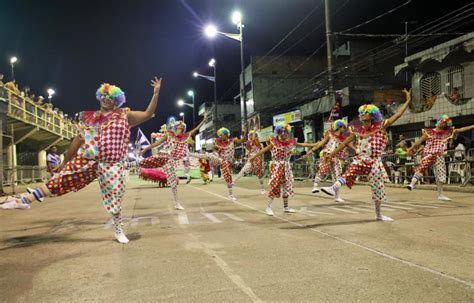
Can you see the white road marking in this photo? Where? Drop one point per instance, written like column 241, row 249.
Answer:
column 305, row 210
column 372, row 250
column 343, row 210
column 183, row 218
column 212, row 218
column 133, row 222
column 419, row 206
column 396, row 207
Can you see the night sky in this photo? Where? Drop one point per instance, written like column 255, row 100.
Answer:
column 73, row 46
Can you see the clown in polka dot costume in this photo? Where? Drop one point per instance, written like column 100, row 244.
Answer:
column 332, row 138
column 176, row 149
column 224, row 147
column 371, row 142
column 99, row 152
column 436, row 140
column 253, row 146
column 281, row 174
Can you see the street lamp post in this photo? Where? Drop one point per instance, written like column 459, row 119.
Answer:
column 50, row 92
column 212, row 64
column 191, row 94
column 13, row 60
column 211, row 31
column 237, row 20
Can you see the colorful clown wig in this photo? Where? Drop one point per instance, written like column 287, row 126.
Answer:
column 221, row 132
column 371, row 109
column 445, row 118
column 180, row 124
column 282, row 128
column 170, row 123
column 111, row 92
column 338, row 124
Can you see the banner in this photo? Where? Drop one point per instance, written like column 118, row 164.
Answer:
column 290, row 117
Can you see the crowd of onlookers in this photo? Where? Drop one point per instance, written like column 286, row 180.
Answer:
column 25, row 104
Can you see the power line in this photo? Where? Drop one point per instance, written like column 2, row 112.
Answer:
column 377, row 17
column 389, row 55
column 300, row 40
column 397, row 35
column 294, row 28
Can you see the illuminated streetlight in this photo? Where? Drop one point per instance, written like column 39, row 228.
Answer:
column 195, row 74
column 236, row 17
column 13, row 60
column 210, row 31
column 181, row 102
column 190, row 93
column 181, row 114
column 50, row 92
column 212, row 63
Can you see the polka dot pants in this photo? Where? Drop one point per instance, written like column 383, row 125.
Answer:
column 439, row 167
column 281, row 180
column 79, row 172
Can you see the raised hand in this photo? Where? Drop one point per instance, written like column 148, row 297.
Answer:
column 156, row 84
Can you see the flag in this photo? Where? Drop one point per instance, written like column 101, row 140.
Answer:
column 140, row 144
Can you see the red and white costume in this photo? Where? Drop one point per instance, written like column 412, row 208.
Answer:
column 435, row 147
column 281, row 174
column 102, row 156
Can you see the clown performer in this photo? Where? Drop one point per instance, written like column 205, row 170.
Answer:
column 99, row 152
column 371, row 142
column 435, row 145
column 281, row 174
column 224, row 147
column 253, row 146
column 177, row 148
column 332, row 138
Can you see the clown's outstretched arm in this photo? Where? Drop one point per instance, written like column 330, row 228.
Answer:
column 261, row 152
column 463, row 129
column 138, row 117
column 194, row 130
column 71, row 151
column 417, row 143
column 342, row 145
column 153, row 145
column 400, row 111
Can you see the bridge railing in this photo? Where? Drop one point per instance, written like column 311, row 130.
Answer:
column 43, row 116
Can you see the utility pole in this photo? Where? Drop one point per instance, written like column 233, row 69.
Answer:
column 243, row 93
column 406, row 42
column 329, row 52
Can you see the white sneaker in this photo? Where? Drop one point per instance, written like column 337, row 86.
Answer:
column 443, row 198
column 31, row 190
column 339, row 200
column 315, row 190
column 383, row 218
column 121, row 238
column 269, row 211
column 410, row 187
column 232, row 198
column 328, row 190
column 288, row 210
column 263, row 192
column 178, row 206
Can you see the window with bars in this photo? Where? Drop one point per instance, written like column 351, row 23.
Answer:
column 430, row 85
column 455, row 84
